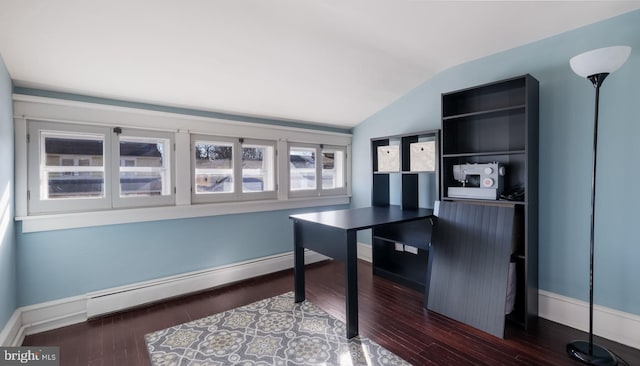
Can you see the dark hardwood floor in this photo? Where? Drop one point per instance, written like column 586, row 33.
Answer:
column 389, row 314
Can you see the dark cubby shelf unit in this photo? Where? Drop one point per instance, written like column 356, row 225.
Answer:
column 498, row 122
column 402, row 267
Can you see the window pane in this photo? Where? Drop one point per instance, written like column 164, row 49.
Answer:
column 73, row 151
column 213, row 167
column 75, row 185
column 72, row 166
column 257, row 168
column 141, row 153
column 302, row 168
column 140, row 184
column 144, row 169
column 332, row 169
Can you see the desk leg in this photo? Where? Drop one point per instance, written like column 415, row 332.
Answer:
column 298, row 265
column 351, row 265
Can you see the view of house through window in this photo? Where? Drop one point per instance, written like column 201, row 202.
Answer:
column 213, row 167
column 72, row 165
column 317, row 170
column 257, row 168
column 81, row 168
column 144, row 169
column 332, row 168
column 302, row 168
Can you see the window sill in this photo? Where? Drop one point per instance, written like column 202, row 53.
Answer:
column 126, row 216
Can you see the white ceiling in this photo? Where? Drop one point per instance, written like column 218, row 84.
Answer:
column 331, row 62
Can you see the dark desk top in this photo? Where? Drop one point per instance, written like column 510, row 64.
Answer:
column 363, row 218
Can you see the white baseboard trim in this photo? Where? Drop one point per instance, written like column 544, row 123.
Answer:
column 41, row 317
column 608, row 323
column 364, row 252
column 63, row 312
column 11, row 331
column 53, row 314
column 124, row 297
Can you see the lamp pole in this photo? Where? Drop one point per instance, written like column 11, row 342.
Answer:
column 587, row 352
column 597, row 81
column 595, row 65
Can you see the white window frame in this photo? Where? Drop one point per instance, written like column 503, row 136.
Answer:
column 303, row 192
column 168, row 184
column 236, row 171
column 273, row 171
column 214, row 197
column 341, row 175
column 37, row 204
column 28, row 109
column 318, row 191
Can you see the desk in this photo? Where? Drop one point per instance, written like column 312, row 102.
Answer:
column 333, row 233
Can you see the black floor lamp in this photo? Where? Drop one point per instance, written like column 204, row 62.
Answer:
column 595, row 65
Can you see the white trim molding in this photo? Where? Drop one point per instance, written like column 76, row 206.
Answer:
column 54, row 314
column 11, row 335
column 42, row 317
column 365, row 252
column 126, row 216
column 124, row 297
column 608, row 323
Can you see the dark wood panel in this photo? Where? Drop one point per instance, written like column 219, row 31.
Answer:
column 390, row 314
column 416, row 233
column 409, row 192
column 380, row 190
column 471, row 249
column 322, row 239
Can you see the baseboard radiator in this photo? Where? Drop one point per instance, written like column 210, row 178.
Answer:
column 101, row 303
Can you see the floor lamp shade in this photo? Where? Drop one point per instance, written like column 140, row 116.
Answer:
column 595, row 65
column 601, row 61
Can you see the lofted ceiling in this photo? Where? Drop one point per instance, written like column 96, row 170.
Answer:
column 329, row 62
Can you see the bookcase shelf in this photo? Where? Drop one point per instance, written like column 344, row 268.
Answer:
column 485, row 112
column 406, row 267
column 498, row 122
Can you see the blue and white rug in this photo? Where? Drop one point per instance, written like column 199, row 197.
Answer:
column 273, row 331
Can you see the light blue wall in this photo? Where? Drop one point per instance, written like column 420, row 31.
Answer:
column 566, row 120
column 63, row 263
column 8, row 290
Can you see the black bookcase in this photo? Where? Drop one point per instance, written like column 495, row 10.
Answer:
column 498, row 122
column 400, row 251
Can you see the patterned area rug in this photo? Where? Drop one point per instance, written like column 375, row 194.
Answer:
column 273, row 331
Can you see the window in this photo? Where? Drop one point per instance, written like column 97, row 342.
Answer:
column 258, row 167
column 70, row 168
column 333, row 169
column 71, row 165
column 213, row 167
column 71, row 174
column 302, row 168
column 144, row 169
column 316, row 170
column 220, row 173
